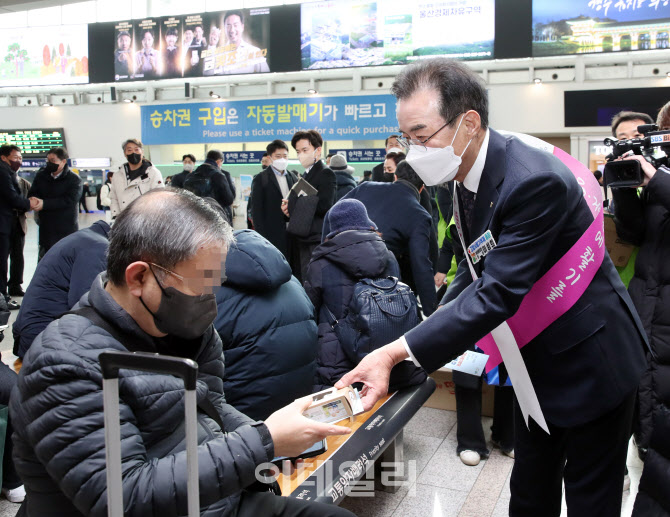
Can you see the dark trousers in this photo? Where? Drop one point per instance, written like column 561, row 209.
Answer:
column 5, row 245
column 469, row 430
column 16, row 263
column 300, row 253
column 10, row 478
column 589, row 458
column 255, row 504
column 41, row 251
column 82, row 204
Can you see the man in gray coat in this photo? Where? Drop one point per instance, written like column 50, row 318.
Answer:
column 165, row 260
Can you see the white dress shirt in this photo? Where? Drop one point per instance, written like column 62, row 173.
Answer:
column 471, row 182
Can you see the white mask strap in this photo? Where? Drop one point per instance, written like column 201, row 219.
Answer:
column 452, row 140
column 457, row 128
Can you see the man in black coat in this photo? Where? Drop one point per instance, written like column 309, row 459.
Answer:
column 209, row 180
column 188, row 161
column 406, row 228
column 378, row 170
column 60, row 190
column 584, row 366
column 268, row 188
column 11, row 204
column 308, row 145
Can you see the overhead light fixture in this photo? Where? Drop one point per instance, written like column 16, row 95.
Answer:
column 128, row 100
column 668, row 75
column 46, row 104
column 537, row 80
column 312, row 91
column 214, row 95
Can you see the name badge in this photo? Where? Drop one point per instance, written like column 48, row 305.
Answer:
column 478, row 249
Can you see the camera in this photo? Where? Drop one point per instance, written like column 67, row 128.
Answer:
column 653, row 147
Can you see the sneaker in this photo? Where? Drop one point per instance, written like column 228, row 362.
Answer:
column 508, row 453
column 14, row 495
column 626, row 482
column 13, row 306
column 470, row 458
column 15, row 291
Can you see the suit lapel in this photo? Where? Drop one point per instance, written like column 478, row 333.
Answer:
column 487, row 193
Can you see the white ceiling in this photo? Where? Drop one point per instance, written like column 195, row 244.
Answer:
column 11, row 6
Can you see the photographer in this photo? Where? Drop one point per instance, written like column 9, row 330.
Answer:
column 644, row 220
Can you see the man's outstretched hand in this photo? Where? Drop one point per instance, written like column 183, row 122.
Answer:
column 374, row 372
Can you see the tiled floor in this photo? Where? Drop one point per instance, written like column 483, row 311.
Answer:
column 443, row 486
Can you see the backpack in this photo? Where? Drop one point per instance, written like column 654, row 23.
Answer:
column 379, row 312
column 199, row 182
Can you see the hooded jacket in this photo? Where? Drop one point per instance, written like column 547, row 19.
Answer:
column 266, row 323
column 345, row 183
column 57, row 415
column 336, row 266
column 60, row 280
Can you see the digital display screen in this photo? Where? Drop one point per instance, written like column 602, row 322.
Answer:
column 44, row 55
column 339, row 34
column 196, row 45
column 588, row 26
column 34, row 143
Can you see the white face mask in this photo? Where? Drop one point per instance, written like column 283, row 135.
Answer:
column 188, row 167
column 436, row 165
column 280, row 164
column 306, row 160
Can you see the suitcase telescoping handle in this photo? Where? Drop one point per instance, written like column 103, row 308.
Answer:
column 111, row 363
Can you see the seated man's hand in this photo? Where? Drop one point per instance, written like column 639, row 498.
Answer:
column 292, row 433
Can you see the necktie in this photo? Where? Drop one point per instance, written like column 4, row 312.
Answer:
column 468, row 202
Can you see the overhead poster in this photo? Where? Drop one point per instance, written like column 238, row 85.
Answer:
column 338, row 34
column 44, row 55
column 585, row 26
column 196, row 45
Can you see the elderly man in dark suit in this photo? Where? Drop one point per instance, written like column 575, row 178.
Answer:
column 586, row 365
column 268, row 189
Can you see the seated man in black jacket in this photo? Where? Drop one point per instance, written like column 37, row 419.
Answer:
column 406, row 228
column 60, row 191
column 165, row 260
column 209, row 180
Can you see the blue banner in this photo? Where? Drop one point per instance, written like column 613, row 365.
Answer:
column 361, row 155
column 242, row 157
column 367, row 117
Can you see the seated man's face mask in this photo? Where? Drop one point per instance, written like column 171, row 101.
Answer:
column 180, row 314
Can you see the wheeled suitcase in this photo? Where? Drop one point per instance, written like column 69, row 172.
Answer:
column 111, row 362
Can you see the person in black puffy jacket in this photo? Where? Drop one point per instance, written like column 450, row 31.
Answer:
column 266, row 323
column 164, row 261
column 351, row 250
